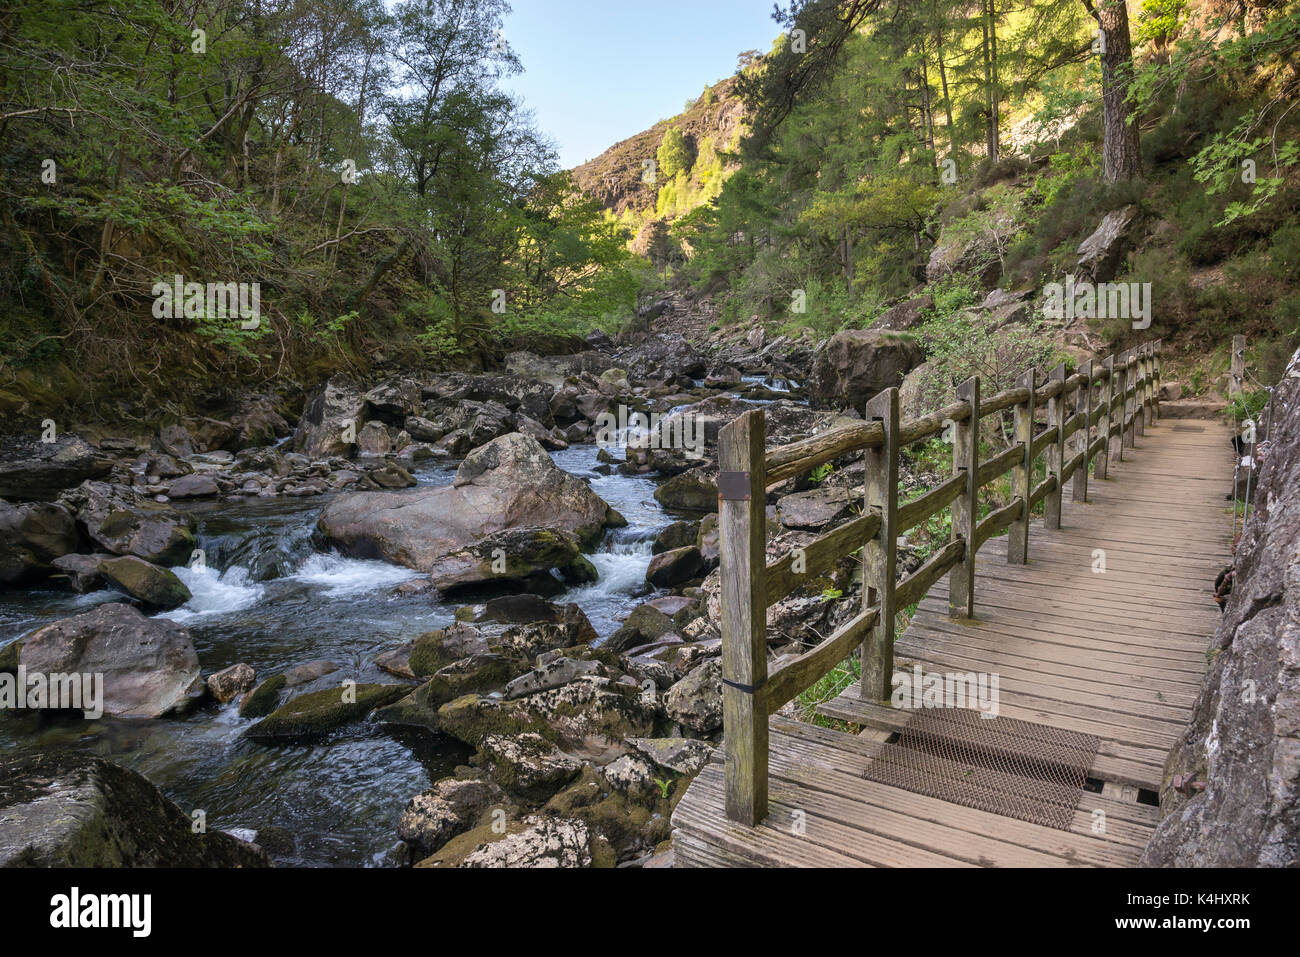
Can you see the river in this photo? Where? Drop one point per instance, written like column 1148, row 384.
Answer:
column 269, row 598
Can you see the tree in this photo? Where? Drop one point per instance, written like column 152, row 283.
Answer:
column 1121, row 153
column 675, row 154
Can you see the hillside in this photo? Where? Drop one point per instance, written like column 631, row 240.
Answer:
column 617, row 179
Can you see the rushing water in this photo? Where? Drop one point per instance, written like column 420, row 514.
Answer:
column 266, row 596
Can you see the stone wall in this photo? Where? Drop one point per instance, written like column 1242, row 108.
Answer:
column 1242, row 750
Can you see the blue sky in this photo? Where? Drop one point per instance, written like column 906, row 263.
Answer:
column 599, row 71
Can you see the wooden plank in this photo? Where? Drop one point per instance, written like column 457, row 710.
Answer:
column 793, row 677
column 790, row 573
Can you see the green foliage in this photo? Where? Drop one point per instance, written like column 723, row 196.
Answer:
column 961, row 342
column 675, row 154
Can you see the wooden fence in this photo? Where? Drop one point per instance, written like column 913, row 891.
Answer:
column 1113, row 399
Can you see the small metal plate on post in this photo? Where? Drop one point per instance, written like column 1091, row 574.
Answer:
column 733, row 486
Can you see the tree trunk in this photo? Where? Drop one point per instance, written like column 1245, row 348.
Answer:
column 1121, row 155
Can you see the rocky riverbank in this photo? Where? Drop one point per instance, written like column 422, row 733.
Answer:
column 579, row 740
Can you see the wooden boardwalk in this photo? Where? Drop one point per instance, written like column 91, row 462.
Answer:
column 1119, row 655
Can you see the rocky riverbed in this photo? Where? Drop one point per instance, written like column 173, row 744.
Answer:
column 429, row 620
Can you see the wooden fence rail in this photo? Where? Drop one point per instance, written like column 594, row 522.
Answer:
column 1113, row 399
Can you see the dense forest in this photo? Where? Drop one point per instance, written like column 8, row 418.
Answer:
column 361, row 164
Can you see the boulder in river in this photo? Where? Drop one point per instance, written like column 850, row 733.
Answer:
column 510, row 483
column 854, row 366
column 310, row 716
column 149, row 665
column 512, row 555
column 670, row 569
column 75, row 810
column 330, row 421
column 229, row 683
column 122, row 521
column 526, row 609
column 39, row 471
column 155, row 587
column 32, row 537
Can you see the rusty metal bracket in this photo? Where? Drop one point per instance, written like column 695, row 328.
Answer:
column 733, row 486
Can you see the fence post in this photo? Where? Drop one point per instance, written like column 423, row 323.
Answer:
column 965, row 512
column 880, row 555
column 1237, row 382
column 1140, row 395
column 1129, row 440
column 1055, row 451
column 742, row 517
column 1107, row 418
column 1022, row 476
column 1155, row 379
column 1083, row 403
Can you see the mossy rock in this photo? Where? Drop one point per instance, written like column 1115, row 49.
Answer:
column 312, row 715
column 628, row 827
column 435, row 650
column 580, row 571
column 471, row 718
column 462, row 846
column 75, row 810
column 9, row 656
column 471, row 676
column 156, row 587
column 262, row 700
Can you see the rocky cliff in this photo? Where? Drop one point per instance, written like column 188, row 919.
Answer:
column 1237, row 767
column 616, row 178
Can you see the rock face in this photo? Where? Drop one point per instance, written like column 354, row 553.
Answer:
column 39, row 471
column 121, row 521
column 330, row 418
column 856, row 365
column 510, row 483
column 149, row 665
column 1243, row 743
column 32, row 537
column 72, row 810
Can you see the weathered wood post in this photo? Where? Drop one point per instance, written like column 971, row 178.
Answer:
column 1055, row 451
column 742, row 516
column 1022, row 476
column 1148, row 391
column 1156, row 379
column 1237, row 378
column 1128, row 440
column 965, row 512
column 1083, row 403
column 1140, row 393
column 1102, row 465
column 880, row 555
